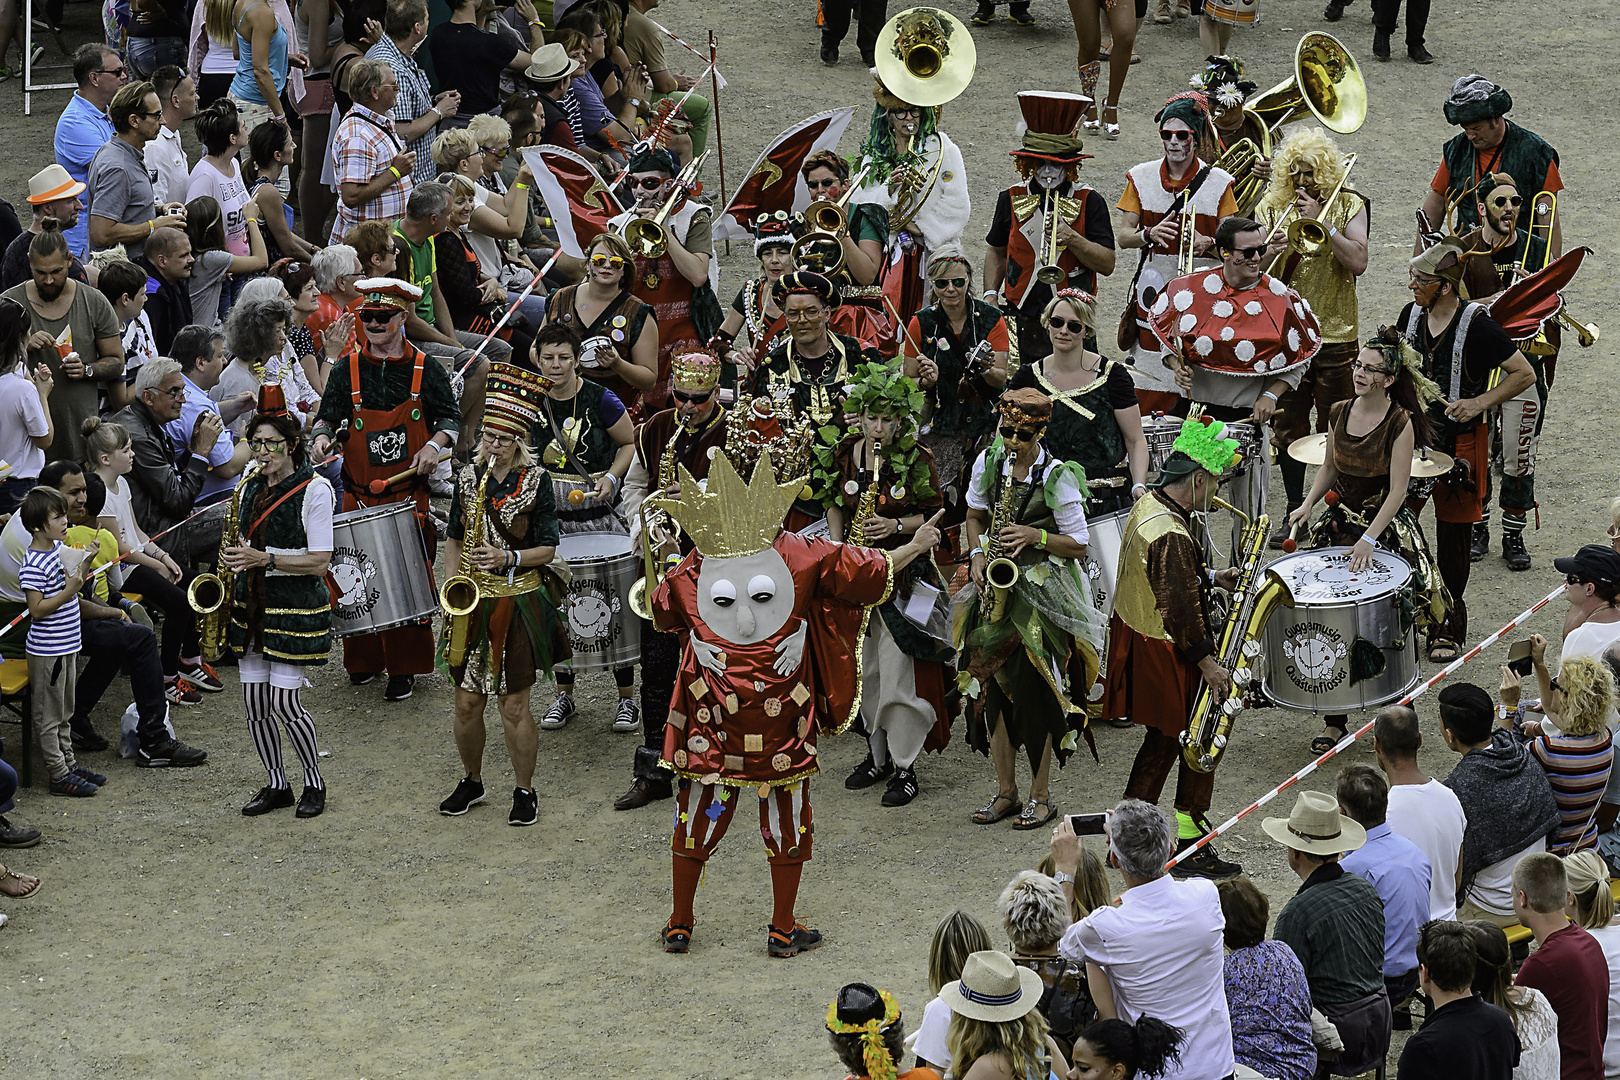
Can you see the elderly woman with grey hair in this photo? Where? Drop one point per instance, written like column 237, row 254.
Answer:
column 1160, row 952
column 256, row 339
column 1035, row 913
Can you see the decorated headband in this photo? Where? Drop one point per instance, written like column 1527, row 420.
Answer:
column 1203, row 439
column 1078, row 296
column 808, row 282
column 874, row 1051
column 1399, row 355
column 884, row 390
column 1026, row 406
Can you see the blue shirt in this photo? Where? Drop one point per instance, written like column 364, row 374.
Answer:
column 244, row 85
column 179, row 431
column 1400, row 872
column 81, row 130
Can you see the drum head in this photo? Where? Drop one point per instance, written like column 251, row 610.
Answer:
column 577, row 547
column 1323, row 576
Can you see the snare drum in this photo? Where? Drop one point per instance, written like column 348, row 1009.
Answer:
column 1309, row 646
column 379, row 574
column 601, row 627
column 1101, row 564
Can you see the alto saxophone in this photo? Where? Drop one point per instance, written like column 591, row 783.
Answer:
column 1210, row 725
column 1000, row 572
column 210, row 594
column 657, row 529
column 866, row 509
column 460, row 595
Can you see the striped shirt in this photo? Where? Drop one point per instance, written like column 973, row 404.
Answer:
column 1577, row 768
column 414, row 100
column 57, row 634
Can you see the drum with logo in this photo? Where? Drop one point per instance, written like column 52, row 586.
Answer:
column 1342, row 645
column 601, row 627
column 1101, row 563
column 379, row 574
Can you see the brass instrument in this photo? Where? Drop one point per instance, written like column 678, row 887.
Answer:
column 1000, row 572
column 1326, row 82
column 925, row 56
column 1050, row 272
column 1544, row 210
column 1308, row 236
column 645, row 235
column 657, row 529
column 210, row 594
column 866, row 509
column 827, row 221
column 1186, row 237
column 1210, row 726
column 1238, row 160
column 460, row 595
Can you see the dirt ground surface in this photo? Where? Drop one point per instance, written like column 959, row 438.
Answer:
column 175, row 937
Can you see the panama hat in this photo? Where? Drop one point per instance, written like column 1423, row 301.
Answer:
column 52, row 183
column 993, row 988
column 550, row 62
column 1316, row 826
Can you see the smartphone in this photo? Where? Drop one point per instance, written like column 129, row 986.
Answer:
column 1519, row 657
column 1087, row 824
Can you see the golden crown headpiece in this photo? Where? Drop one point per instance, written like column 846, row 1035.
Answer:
column 695, row 372
column 731, row 520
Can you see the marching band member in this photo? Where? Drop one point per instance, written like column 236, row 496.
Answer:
column 1460, row 346
column 1488, row 143
column 687, row 435
column 503, row 530
column 1156, row 192
column 1238, row 339
column 1099, row 423
column 861, row 313
column 602, row 306
column 1161, row 637
column 879, row 486
column 675, row 283
column 755, row 308
column 1041, row 650
column 401, row 412
column 1224, row 83
column 1018, row 243
column 281, row 611
column 942, row 338
column 583, row 436
column 914, row 173
column 767, row 664
column 1368, row 466
column 1307, row 168
column 1497, row 253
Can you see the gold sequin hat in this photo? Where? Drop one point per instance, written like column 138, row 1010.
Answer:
column 1026, row 407
column 387, row 292
column 513, row 398
column 695, row 372
column 730, row 519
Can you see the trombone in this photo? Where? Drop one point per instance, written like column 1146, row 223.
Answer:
column 1050, row 272
column 1545, row 209
column 645, row 235
column 827, row 222
column 1308, row 236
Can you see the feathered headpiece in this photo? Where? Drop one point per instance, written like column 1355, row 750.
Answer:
column 1202, row 444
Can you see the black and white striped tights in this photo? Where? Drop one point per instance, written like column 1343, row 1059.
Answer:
column 267, row 704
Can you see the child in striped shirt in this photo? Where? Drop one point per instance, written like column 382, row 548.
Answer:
column 53, row 639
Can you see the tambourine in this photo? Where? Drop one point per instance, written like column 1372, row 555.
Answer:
column 590, row 350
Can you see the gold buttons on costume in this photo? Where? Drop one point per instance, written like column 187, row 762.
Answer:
column 680, row 759
column 804, row 727
column 773, row 706
column 703, row 714
column 731, row 704
column 764, row 791
column 697, row 744
column 800, row 695
column 698, row 688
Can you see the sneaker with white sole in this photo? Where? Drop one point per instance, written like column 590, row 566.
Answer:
column 628, row 716
column 561, row 709
column 181, row 692
column 525, row 807
column 468, row 794
column 201, row 676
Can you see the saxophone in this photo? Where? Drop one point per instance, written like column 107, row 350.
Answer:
column 655, row 524
column 460, row 595
column 1210, row 725
column 1000, row 572
column 210, row 594
column 855, row 531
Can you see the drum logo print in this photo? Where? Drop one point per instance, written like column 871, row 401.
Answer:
column 1099, row 588
column 354, row 574
column 593, row 623
column 1314, row 652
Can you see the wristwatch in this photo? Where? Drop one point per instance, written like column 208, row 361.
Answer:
column 271, row 565
column 1060, row 877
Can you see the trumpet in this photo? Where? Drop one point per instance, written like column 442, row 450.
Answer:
column 1051, row 273
column 645, row 235
column 1544, row 209
column 1186, row 237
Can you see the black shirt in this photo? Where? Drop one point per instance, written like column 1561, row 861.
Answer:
column 1121, row 390
column 173, row 24
column 168, row 309
column 1099, row 229
column 14, row 268
column 1487, row 348
column 1466, row 1039
column 471, row 61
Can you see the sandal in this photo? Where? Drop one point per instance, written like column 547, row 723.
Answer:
column 1105, row 53
column 1136, row 57
column 1111, row 131
column 10, row 875
column 987, row 815
column 1029, row 820
column 1323, row 743
column 1442, row 651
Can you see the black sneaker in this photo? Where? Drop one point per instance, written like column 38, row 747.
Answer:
column 677, row 937
column 268, row 799
column 173, row 754
column 525, row 807
column 85, row 774
column 627, row 716
column 1419, row 55
column 201, row 676
column 558, row 713
column 984, row 16
column 1381, row 44
column 12, row 836
column 468, row 794
column 362, row 678
column 792, row 942
column 85, row 737
column 902, row 789
column 1513, row 549
column 399, row 688
column 829, row 55
column 1020, row 16
column 1205, row 862
column 867, row 773
column 1334, row 11
column 1481, row 542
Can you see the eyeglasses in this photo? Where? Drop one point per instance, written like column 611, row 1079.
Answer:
column 690, row 399
column 650, row 183
column 1173, row 136
column 1018, row 434
column 910, row 111
column 1357, row 365
column 817, row 185
column 1058, row 322
column 1249, row 252
column 274, row 446
column 951, row 282
column 178, row 393
column 493, row 152
column 1502, row 202
column 802, row 316
column 606, row 261
column 495, row 439
column 151, row 115
column 378, row 318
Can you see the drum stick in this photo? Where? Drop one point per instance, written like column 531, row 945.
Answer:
column 1289, row 546
column 377, row 487
column 473, row 359
column 905, row 328
column 1353, row 736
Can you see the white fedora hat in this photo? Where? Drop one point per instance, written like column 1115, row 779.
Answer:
column 993, row 988
column 550, row 62
column 1316, row 826
column 52, row 183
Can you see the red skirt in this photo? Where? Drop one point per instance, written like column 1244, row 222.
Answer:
column 1167, row 685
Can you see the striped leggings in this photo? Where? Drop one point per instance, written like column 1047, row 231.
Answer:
column 268, row 700
column 703, row 813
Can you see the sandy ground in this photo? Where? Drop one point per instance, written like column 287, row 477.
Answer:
column 174, row 937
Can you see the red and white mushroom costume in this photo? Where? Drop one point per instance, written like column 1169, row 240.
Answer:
column 1262, row 331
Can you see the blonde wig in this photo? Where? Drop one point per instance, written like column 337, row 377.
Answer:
column 1309, row 146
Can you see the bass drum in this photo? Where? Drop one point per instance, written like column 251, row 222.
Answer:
column 1341, row 647
column 602, row 629
column 379, row 576
column 1101, row 565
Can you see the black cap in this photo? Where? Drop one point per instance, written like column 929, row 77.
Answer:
column 858, row 1003
column 1597, row 563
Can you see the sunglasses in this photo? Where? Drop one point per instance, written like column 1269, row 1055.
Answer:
column 1574, row 579
column 913, row 111
column 492, row 152
column 606, row 261
column 951, row 282
column 1173, row 136
column 1249, row 252
column 1501, row 202
column 1074, row 326
column 378, row 318
column 275, row 446
column 649, row 183
column 112, row 71
column 816, row 185
column 1018, row 434
column 691, row 399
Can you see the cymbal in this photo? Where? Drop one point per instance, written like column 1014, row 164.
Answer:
column 1427, row 463
column 1312, row 449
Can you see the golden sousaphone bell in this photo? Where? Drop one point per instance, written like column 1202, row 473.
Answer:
column 1326, row 83
column 925, row 56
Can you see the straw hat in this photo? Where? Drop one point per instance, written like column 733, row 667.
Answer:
column 1316, row 826
column 550, row 62
column 50, row 184
column 993, row 988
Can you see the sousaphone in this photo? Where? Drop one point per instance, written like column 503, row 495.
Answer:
column 1326, row 82
column 925, row 56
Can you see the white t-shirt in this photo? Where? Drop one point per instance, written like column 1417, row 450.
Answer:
column 22, row 419
column 167, row 166
column 1590, row 639
column 487, row 248
column 317, row 523
column 1070, row 514
column 1431, row 816
column 1608, row 937
column 1492, row 888
column 232, row 195
column 120, row 509
column 930, row 1044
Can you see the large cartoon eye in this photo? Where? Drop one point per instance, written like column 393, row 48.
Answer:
column 723, row 593
column 761, row 588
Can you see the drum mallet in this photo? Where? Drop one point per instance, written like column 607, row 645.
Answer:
column 377, row 487
column 1353, row 736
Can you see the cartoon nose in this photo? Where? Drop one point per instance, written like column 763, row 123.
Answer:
column 746, row 623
